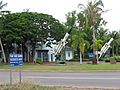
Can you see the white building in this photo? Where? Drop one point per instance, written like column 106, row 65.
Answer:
column 46, row 53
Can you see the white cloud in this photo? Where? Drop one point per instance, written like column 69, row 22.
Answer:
column 112, row 16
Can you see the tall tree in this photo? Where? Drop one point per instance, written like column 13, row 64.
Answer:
column 116, row 42
column 80, row 43
column 27, row 28
column 93, row 11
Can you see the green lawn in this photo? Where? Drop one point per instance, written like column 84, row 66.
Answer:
column 84, row 67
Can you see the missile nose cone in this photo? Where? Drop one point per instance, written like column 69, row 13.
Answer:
column 70, row 29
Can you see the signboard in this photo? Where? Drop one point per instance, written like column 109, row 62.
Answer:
column 91, row 55
column 16, row 60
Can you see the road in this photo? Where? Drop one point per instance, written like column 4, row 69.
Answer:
column 77, row 79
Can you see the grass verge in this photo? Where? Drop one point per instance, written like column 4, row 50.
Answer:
column 65, row 68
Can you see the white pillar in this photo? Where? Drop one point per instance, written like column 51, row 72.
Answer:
column 49, row 57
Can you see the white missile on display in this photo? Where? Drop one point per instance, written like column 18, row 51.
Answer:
column 106, row 46
column 62, row 43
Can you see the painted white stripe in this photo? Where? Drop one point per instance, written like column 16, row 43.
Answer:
column 82, row 78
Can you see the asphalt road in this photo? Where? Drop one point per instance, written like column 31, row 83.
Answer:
column 77, row 79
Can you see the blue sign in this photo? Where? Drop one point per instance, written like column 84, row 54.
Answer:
column 91, row 55
column 16, row 60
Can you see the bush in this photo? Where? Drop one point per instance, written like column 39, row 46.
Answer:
column 112, row 60
column 117, row 58
column 39, row 60
column 106, row 59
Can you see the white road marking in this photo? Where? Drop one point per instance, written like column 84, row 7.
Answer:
column 82, row 78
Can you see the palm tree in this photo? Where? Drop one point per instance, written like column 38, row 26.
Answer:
column 115, row 43
column 78, row 42
column 93, row 11
column 118, row 43
column 3, row 52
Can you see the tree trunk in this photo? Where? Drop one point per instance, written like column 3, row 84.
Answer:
column 80, row 58
column 94, row 48
column 24, row 52
column 113, row 49
column 32, row 54
column 117, row 48
column 78, row 52
column 28, row 53
column 7, row 52
column 3, row 52
column 97, row 57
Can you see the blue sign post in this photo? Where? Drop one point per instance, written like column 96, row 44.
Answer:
column 91, row 55
column 16, row 60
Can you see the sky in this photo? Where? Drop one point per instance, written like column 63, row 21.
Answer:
column 59, row 8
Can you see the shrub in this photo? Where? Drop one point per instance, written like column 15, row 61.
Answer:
column 39, row 60
column 117, row 58
column 107, row 59
column 113, row 60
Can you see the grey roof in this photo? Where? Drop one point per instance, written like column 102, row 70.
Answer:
column 68, row 48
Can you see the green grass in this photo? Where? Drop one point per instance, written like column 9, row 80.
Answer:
column 84, row 67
